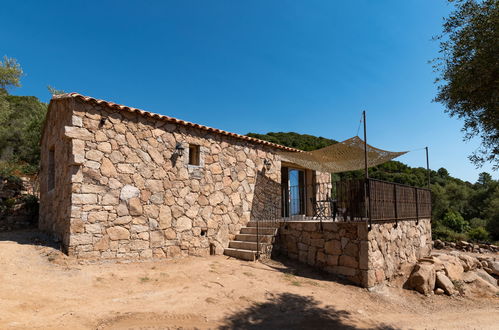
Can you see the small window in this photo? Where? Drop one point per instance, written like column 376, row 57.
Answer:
column 194, row 154
column 51, row 170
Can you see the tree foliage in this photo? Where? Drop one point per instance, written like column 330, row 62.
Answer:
column 461, row 210
column 10, row 73
column 21, row 121
column 295, row 140
column 468, row 82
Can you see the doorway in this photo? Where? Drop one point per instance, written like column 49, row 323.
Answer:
column 293, row 184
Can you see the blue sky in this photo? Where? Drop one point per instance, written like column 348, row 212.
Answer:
column 251, row 66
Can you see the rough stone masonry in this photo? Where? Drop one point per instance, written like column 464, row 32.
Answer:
column 365, row 257
column 114, row 186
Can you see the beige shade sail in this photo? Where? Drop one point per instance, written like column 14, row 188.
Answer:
column 341, row 157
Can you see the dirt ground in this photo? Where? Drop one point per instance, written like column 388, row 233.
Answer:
column 42, row 289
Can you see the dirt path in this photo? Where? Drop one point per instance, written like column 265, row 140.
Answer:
column 41, row 289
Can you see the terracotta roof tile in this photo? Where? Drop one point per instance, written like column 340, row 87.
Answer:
column 120, row 107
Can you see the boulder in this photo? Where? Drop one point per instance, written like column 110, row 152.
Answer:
column 438, row 244
column 468, row 262
column 486, row 277
column 469, row 277
column 494, row 267
column 482, row 288
column 422, row 278
column 452, row 267
column 444, row 283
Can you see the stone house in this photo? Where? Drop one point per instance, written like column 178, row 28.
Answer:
column 119, row 182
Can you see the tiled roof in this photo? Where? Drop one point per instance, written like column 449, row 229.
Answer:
column 120, row 107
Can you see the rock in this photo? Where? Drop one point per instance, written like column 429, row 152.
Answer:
column 494, row 267
column 482, row 288
column 183, row 223
column 78, row 133
column 422, row 278
column 468, row 262
column 155, row 155
column 452, row 267
column 463, row 243
column 102, row 244
column 469, row 277
column 107, row 168
column 438, row 244
column 486, row 277
column 439, row 291
column 116, row 233
column 128, row 192
column 443, row 282
column 135, row 206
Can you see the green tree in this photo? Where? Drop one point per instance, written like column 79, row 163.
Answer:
column 10, row 73
column 455, row 221
column 21, row 121
column 468, row 82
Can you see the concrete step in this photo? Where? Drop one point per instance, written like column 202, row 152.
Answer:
column 262, row 231
column 247, row 245
column 252, row 238
column 240, row 254
column 264, row 223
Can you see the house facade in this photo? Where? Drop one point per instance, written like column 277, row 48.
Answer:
column 119, row 182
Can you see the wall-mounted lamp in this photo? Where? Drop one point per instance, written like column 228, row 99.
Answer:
column 179, row 149
column 267, row 164
column 102, row 122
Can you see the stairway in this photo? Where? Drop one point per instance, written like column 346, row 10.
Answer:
column 245, row 247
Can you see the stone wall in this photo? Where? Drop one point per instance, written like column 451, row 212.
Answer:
column 365, row 257
column 123, row 192
column 55, row 205
column 339, row 248
column 393, row 246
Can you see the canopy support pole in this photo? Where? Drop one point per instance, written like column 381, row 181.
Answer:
column 367, row 185
column 365, row 145
column 428, row 167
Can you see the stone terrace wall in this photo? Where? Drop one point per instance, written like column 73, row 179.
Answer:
column 55, row 205
column 132, row 198
column 391, row 247
column 340, row 248
column 349, row 249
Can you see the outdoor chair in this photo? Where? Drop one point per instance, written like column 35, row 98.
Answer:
column 324, row 208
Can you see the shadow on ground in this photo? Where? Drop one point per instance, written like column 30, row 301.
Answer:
column 29, row 237
column 290, row 311
column 289, row 266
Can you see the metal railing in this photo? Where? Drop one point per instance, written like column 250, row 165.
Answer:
column 367, row 200
column 356, row 200
column 393, row 201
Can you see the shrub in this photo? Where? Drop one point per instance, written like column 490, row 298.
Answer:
column 439, row 231
column 478, row 234
column 477, row 222
column 454, row 221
